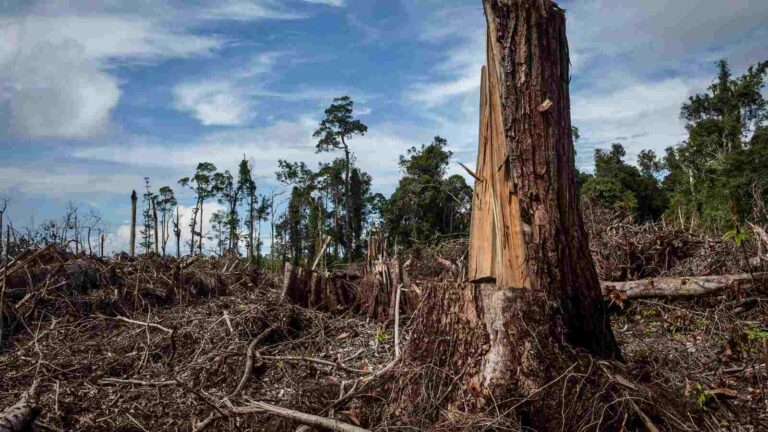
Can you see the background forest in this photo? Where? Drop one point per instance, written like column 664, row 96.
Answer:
column 714, row 181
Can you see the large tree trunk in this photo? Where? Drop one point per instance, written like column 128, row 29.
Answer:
column 533, row 303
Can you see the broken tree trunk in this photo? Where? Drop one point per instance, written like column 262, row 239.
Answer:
column 533, row 300
column 678, row 287
column 374, row 292
column 536, row 255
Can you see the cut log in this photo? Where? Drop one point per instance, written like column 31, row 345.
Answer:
column 677, row 287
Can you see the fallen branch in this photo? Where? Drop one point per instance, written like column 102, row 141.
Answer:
column 249, row 360
column 676, row 287
column 147, row 324
column 263, row 407
column 137, row 382
column 307, row 419
column 316, row 361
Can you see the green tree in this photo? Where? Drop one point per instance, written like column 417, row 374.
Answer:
column 334, row 131
column 148, row 220
column 616, row 184
column 203, row 186
column 166, row 203
column 426, row 205
column 704, row 179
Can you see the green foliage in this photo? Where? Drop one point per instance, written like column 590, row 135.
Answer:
column 616, row 184
column 426, row 205
column 338, row 126
column 715, row 173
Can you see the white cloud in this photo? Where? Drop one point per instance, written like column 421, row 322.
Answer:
column 334, row 3
column 55, row 92
column 249, row 10
column 458, row 74
column 225, row 100
column 53, row 182
column 213, row 103
column 639, row 114
column 56, row 68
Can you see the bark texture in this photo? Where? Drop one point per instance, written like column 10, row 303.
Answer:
column 533, row 307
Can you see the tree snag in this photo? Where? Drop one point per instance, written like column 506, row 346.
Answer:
column 134, row 198
column 532, row 307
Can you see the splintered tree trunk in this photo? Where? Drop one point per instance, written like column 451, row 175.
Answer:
column 533, row 300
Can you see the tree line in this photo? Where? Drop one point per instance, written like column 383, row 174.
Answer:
column 714, row 180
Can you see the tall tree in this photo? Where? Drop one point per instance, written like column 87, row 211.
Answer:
column 426, row 205
column 247, row 185
column 338, row 127
column 203, row 186
column 616, row 184
column 166, row 202
column 147, row 217
column 720, row 124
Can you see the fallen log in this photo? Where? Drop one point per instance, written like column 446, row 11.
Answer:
column 677, row 287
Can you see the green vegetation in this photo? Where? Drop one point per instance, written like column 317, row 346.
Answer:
column 712, row 179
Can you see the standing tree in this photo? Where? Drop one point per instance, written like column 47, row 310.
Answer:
column 147, row 217
column 177, row 232
column 203, row 186
column 533, row 308
column 334, row 131
column 166, row 202
column 230, row 196
column 4, row 200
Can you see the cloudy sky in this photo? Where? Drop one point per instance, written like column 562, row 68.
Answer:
column 95, row 95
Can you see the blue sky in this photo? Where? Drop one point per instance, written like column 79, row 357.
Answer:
column 97, row 94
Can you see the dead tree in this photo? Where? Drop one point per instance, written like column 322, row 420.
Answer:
column 134, row 198
column 533, row 303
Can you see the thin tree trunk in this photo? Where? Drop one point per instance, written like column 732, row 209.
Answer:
column 348, row 201
column 177, row 233
column 90, row 250
column 154, row 221
column 534, row 294
column 133, row 223
column 250, row 227
column 200, row 246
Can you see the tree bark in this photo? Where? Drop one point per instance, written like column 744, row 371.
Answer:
column 133, row 223
column 348, row 201
column 533, row 302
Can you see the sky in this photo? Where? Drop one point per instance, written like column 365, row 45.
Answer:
column 95, row 95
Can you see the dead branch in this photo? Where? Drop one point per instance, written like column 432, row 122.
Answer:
column 249, row 360
column 307, row 419
column 147, row 324
column 316, row 361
